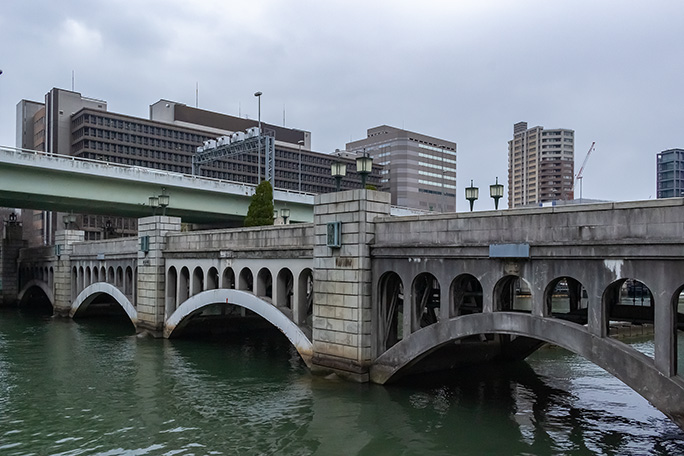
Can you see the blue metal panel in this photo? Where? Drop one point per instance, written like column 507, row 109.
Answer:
column 509, row 250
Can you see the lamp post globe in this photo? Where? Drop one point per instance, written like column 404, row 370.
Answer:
column 364, row 165
column 338, row 170
column 471, row 194
column 496, row 192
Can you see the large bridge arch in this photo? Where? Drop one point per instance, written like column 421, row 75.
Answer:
column 249, row 301
column 97, row 289
column 635, row 369
column 37, row 284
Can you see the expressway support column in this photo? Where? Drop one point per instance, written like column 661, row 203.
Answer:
column 151, row 298
column 342, row 280
column 65, row 280
column 12, row 242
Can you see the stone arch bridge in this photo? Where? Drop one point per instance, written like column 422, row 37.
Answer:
column 375, row 297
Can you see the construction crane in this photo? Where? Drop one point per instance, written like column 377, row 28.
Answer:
column 578, row 176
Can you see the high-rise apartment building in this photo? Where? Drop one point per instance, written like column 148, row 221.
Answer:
column 420, row 171
column 541, row 165
column 670, row 173
column 70, row 124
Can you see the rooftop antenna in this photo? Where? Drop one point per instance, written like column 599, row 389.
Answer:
column 283, row 114
column 239, row 109
column 72, row 80
column 196, row 94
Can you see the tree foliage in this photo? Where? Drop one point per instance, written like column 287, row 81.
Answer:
column 260, row 210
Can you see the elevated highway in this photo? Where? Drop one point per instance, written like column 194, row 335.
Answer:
column 37, row 180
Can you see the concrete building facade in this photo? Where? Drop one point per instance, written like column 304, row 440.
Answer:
column 68, row 123
column 670, row 173
column 541, row 165
column 420, row 170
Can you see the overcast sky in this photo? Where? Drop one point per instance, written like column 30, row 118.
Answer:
column 465, row 71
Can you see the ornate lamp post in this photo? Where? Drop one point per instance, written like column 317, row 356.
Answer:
column 154, row 204
column 338, row 170
column 496, row 192
column 300, row 142
column 258, row 95
column 471, row 194
column 364, row 165
column 285, row 214
column 164, row 200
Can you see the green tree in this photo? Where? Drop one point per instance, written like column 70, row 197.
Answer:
column 260, row 210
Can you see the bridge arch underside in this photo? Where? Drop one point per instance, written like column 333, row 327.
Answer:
column 517, row 310
column 102, row 299
column 36, row 295
column 633, row 368
column 221, row 310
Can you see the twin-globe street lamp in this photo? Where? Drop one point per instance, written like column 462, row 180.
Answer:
column 364, row 165
column 495, row 191
column 162, row 201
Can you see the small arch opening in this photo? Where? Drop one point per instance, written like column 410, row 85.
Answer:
column 305, row 298
column 285, row 288
column 264, row 283
column 171, row 290
column 212, row 279
column 391, row 300
column 246, row 280
column 679, row 332
column 466, row 295
column 629, row 307
column 567, row 299
column 228, row 278
column 513, row 294
column 426, row 300
column 197, row 281
column 183, row 286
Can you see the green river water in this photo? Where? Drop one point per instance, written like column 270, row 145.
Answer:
column 93, row 388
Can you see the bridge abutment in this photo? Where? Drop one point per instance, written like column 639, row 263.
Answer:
column 65, row 287
column 151, row 299
column 12, row 242
column 342, row 281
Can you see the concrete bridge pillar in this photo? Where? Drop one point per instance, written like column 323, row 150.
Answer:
column 342, row 280
column 12, row 242
column 65, row 290
column 151, row 300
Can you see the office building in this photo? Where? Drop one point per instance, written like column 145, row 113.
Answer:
column 70, row 124
column 541, row 165
column 419, row 170
column 670, row 173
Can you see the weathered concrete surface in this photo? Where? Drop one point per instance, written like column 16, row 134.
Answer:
column 633, row 368
column 90, row 293
column 342, row 328
column 248, row 301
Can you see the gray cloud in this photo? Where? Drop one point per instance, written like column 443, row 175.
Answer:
column 463, row 71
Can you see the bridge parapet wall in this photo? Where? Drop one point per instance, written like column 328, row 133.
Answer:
column 266, row 242
column 608, row 224
column 112, row 248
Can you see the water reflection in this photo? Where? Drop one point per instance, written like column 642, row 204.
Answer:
column 87, row 388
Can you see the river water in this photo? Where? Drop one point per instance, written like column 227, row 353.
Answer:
column 93, row 388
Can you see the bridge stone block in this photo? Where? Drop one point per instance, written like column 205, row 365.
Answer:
column 9, row 252
column 65, row 293
column 342, row 281
column 152, row 271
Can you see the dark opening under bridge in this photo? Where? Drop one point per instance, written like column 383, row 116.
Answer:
column 394, row 296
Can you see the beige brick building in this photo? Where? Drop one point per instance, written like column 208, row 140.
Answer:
column 541, row 165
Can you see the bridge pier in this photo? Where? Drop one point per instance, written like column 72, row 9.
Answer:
column 342, row 281
column 151, row 299
column 65, row 286
column 9, row 252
